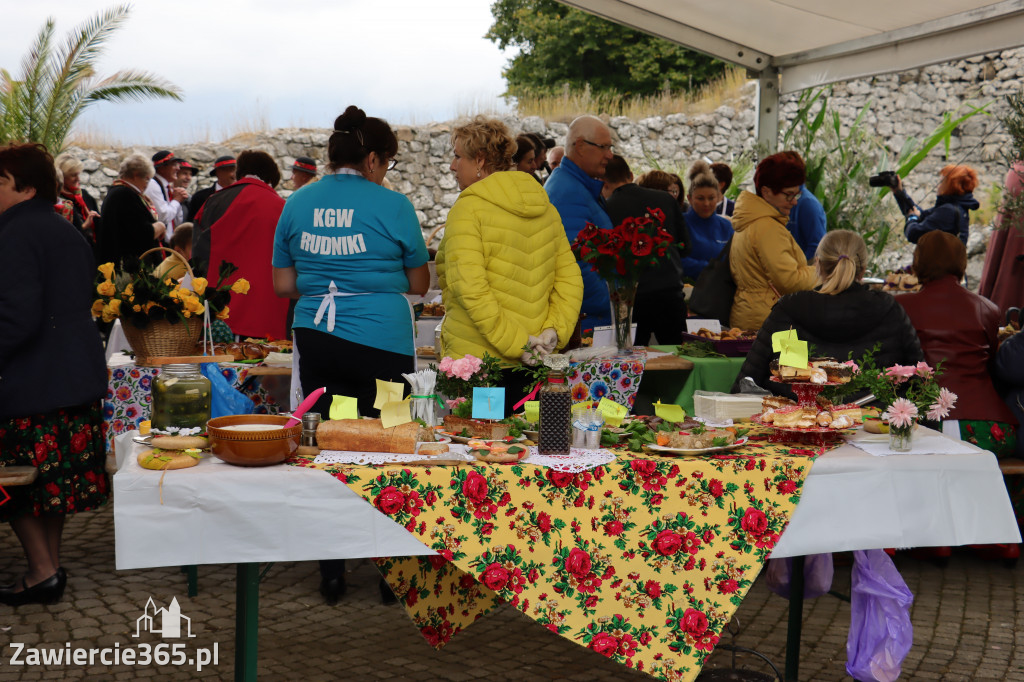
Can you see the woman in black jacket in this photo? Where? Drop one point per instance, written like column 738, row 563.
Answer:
column 85, row 212
column 52, row 371
column 953, row 202
column 842, row 318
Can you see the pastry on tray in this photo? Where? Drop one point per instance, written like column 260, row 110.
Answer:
column 690, row 440
column 796, row 418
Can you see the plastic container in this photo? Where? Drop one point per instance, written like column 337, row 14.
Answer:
column 555, row 409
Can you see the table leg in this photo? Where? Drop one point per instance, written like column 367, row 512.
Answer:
column 796, row 615
column 191, row 579
column 247, row 607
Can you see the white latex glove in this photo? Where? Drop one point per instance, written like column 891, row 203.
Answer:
column 548, row 339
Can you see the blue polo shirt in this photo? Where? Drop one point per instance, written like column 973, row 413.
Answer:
column 362, row 237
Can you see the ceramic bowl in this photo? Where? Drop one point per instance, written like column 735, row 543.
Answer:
column 256, row 447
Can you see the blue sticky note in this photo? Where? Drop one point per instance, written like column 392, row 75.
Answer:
column 489, row 402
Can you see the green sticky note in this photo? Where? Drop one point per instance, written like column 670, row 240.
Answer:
column 395, row 413
column 388, row 392
column 670, row 413
column 612, row 411
column 344, row 407
column 531, row 408
column 792, row 351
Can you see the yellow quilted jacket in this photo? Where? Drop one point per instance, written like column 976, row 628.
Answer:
column 505, row 269
column 763, row 255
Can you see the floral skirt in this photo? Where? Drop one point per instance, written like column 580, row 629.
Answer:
column 67, row 447
column 999, row 438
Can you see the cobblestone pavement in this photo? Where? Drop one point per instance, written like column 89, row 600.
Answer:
column 968, row 625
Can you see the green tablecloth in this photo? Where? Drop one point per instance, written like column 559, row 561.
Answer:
column 708, row 374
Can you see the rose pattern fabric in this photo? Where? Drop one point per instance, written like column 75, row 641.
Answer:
column 129, row 396
column 643, row 560
column 616, row 378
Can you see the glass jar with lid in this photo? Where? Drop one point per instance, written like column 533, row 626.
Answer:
column 181, row 398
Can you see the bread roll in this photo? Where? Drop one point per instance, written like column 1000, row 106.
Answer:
column 159, row 460
column 369, row 435
column 180, row 442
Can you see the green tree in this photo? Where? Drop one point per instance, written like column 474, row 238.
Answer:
column 56, row 85
column 561, row 45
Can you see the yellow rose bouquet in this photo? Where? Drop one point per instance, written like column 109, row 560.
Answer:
column 138, row 295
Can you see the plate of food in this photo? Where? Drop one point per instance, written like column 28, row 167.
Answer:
column 497, row 452
column 669, row 450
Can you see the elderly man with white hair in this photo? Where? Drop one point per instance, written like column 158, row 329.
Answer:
column 575, row 190
column 129, row 220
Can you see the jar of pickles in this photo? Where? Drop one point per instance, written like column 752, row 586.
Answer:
column 181, row 398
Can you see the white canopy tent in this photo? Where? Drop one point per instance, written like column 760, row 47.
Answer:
column 790, row 45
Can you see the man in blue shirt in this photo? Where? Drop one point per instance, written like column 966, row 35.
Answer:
column 807, row 222
column 575, row 190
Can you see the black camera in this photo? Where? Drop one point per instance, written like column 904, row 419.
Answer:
column 884, row 179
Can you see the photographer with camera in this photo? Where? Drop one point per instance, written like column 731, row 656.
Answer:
column 953, row 202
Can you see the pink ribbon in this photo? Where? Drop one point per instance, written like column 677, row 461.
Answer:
column 529, row 396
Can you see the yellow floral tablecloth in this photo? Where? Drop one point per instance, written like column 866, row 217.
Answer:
column 643, row 560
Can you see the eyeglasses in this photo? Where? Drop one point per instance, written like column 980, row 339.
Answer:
column 792, row 196
column 392, row 163
column 602, row 147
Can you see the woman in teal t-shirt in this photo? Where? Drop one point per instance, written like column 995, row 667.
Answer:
column 348, row 249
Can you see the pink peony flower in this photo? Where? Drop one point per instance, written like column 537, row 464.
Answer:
column 900, row 372
column 446, row 365
column 462, row 369
column 925, row 370
column 474, row 363
column 452, row 403
column 854, row 365
column 901, row 413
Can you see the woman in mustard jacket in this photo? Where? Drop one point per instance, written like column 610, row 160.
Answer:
column 765, row 260
column 508, row 277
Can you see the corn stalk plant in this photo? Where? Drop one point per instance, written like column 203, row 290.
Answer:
column 56, row 84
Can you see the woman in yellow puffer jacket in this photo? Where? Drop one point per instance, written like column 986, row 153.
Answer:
column 508, row 277
column 765, row 260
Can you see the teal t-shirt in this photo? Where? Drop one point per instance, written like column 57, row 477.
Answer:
column 346, row 229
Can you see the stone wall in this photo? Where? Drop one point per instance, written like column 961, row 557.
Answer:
column 904, row 105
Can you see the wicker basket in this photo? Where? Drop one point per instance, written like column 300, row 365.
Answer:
column 161, row 338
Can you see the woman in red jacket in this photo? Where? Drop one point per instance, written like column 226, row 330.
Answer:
column 958, row 328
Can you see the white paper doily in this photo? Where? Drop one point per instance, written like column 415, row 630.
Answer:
column 576, row 461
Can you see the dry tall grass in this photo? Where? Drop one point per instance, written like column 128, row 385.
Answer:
column 572, row 103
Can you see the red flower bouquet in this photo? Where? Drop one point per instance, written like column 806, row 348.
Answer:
column 619, row 256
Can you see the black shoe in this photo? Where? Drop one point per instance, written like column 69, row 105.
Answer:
column 332, row 589
column 387, row 596
column 48, row 591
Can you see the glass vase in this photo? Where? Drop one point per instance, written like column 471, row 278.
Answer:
column 622, row 296
column 901, row 438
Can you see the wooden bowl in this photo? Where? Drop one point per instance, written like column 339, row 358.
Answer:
column 255, row 448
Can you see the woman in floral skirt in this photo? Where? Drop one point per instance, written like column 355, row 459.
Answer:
column 52, row 371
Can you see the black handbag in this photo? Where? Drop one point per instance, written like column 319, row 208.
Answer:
column 715, row 289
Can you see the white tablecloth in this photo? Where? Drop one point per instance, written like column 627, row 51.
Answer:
column 219, row 513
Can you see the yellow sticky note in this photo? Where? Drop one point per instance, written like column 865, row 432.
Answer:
column 395, row 414
column 531, row 409
column 670, row 413
column 344, row 407
column 792, row 351
column 612, row 411
column 388, row 392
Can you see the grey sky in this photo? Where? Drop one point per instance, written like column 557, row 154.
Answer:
column 245, row 63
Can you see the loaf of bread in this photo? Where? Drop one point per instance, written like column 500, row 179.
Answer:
column 432, row 449
column 369, row 435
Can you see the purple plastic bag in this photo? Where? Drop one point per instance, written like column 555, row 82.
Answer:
column 880, row 630
column 817, row 575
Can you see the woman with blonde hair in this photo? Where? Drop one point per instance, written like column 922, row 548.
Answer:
column 85, row 211
column 507, row 275
column 709, row 232
column 841, row 318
